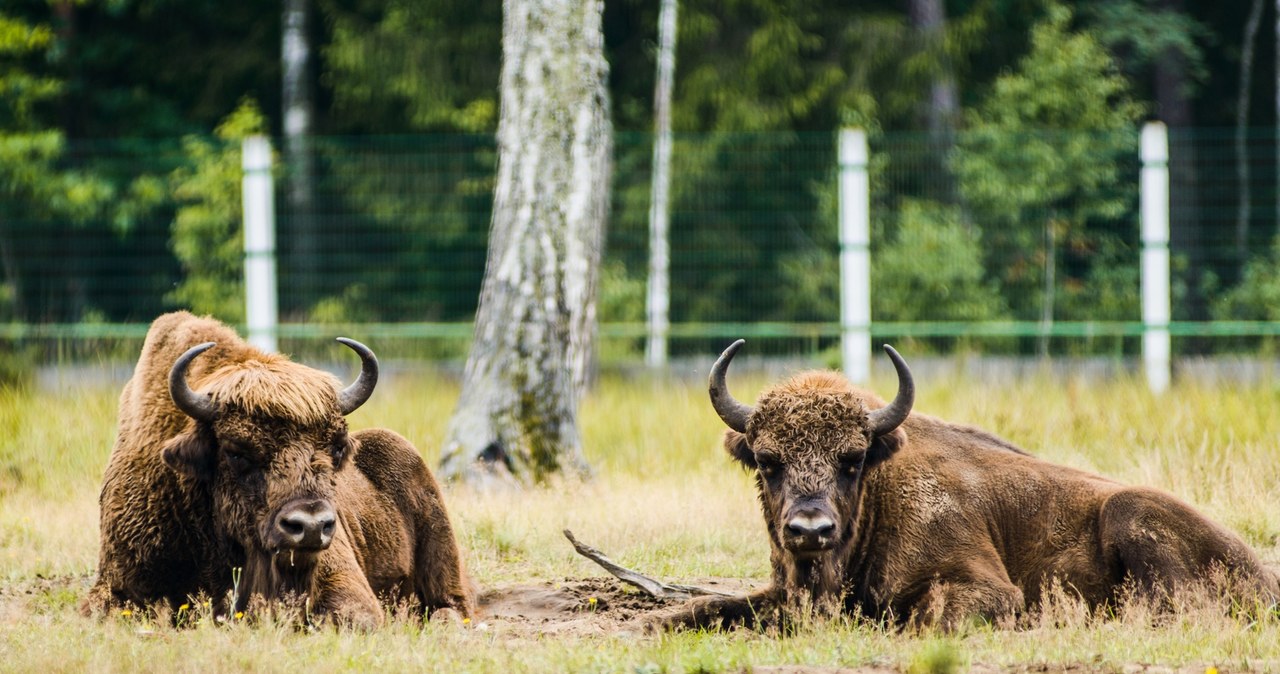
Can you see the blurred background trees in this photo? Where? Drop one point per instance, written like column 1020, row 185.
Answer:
column 962, row 98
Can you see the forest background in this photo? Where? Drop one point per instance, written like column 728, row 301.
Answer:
column 1004, row 141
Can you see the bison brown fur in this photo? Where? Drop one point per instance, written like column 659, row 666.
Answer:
column 874, row 510
column 230, row 458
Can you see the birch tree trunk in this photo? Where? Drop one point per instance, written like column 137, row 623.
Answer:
column 942, row 108
column 516, row 421
column 295, row 94
column 657, row 310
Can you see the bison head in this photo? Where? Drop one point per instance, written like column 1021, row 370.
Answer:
column 809, row 440
column 268, row 438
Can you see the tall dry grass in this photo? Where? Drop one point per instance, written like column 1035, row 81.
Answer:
column 665, row 499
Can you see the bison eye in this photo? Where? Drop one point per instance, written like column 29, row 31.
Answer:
column 238, row 462
column 851, row 465
column 236, row 459
column 768, row 465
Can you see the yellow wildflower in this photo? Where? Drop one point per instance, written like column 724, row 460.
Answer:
column 239, row 615
column 126, row 613
column 184, row 607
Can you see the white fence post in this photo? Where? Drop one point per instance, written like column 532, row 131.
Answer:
column 258, row 195
column 1156, row 348
column 855, row 256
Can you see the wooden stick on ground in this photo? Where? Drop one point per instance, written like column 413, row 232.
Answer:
column 650, row 586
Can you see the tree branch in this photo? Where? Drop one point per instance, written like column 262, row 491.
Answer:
column 650, row 586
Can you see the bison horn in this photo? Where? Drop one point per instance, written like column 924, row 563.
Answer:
column 198, row 406
column 355, row 395
column 891, row 416
column 730, row 410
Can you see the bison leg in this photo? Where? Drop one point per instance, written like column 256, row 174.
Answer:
column 952, row 603
column 758, row 609
column 343, row 594
column 1163, row 544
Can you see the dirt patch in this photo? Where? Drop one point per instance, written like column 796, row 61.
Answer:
column 577, row 606
column 41, row 595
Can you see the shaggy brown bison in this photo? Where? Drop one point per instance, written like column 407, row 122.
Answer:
column 873, row 509
column 230, row 458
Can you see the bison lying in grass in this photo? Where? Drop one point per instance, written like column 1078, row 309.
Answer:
column 230, row 458
column 872, row 509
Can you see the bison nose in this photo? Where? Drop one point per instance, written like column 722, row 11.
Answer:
column 811, row 524
column 307, row 526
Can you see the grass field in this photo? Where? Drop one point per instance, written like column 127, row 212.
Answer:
column 665, row 500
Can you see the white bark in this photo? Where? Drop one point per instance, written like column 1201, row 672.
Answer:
column 659, row 293
column 295, row 55
column 516, row 420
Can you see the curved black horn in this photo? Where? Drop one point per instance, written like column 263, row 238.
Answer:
column 730, row 410
column 891, row 416
column 353, row 396
column 198, row 406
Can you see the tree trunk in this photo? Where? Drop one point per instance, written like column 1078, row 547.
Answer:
column 516, row 421
column 659, row 292
column 942, row 108
column 1242, row 126
column 295, row 54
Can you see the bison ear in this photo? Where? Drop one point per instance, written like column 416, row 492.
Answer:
column 735, row 444
column 190, row 454
column 885, row 446
column 345, row 451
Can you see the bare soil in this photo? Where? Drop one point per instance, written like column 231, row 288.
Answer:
column 578, row 606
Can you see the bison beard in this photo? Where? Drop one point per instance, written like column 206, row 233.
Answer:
column 280, row 578
column 876, row 511
column 246, row 482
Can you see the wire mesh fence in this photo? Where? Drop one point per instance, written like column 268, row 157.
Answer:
column 1018, row 245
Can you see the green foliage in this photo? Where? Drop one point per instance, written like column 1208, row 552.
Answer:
column 1143, row 33
column 29, row 147
column 1040, row 163
column 1257, row 296
column 622, row 296
column 208, row 237
column 21, row 89
column 36, row 190
column 351, row 306
column 932, row 270
column 621, row 299
column 399, row 65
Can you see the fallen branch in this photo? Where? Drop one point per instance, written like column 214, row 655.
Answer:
column 650, row 586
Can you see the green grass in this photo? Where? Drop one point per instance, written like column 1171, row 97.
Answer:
column 665, row 499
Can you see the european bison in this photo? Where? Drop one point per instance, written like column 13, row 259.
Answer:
column 231, row 458
column 900, row 516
